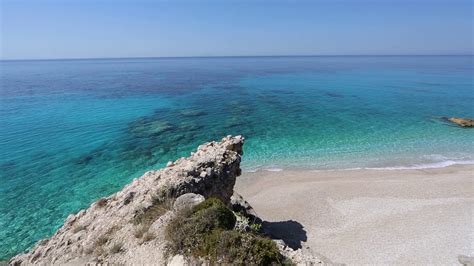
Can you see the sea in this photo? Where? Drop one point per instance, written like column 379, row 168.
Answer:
column 72, row 131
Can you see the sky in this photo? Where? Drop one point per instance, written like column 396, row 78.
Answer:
column 46, row 29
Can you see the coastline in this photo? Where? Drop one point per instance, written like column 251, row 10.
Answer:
column 368, row 216
column 388, row 167
column 67, row 144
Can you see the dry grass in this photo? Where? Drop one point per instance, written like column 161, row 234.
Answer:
column 99, row 251
column 102, row 202
column 88, row 250
column 78, row 228
column 112, row 230
column 148, row 237
column 162, row 202
column 101, row 240
column 149, row 215
column 116, row 248
column 140, row 231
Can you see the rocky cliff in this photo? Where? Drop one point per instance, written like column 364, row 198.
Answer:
column 129, row 227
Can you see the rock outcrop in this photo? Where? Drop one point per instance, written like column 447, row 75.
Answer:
column 463, row 122
column 112, row 229
column 128, row 227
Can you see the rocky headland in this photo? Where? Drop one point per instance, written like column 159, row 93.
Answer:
column 463, row 122
column 185, row 213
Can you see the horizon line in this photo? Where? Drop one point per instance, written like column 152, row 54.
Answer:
column 224, row 56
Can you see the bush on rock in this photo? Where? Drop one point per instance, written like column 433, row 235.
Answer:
column 206, row 231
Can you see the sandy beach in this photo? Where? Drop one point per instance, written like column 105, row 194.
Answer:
column 370, row 216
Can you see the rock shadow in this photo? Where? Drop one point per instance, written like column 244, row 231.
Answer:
column 291, row 232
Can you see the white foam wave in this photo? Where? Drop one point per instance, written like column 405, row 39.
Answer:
column 250, row 170
column 273, row 169
column 433, row 165
column 334, row 170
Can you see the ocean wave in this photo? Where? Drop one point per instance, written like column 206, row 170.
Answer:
column 433, row 165
column 430, row 165
column 337, row 169
column 273, row 169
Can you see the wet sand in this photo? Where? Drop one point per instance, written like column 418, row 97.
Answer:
column 371, row 216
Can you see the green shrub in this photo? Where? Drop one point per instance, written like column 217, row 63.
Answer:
column 256, row 227
column 208, row 203
column 215, row 214
column 207, row 231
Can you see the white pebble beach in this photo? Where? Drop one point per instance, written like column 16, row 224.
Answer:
column 356, row 217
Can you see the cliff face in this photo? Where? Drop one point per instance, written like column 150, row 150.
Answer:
column 130, row 226
column 127, row 227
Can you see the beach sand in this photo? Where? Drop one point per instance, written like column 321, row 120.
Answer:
column 370, row 216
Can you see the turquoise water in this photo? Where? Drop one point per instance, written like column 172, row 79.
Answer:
column 73, row 131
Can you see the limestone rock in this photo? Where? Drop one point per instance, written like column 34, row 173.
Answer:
column 239, row 205
column 466, row 260
column 463, row 122
column 128, row 226
column 302, row 256
column 177, row 260
column 187, row 200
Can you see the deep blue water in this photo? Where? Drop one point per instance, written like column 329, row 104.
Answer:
column 73, row 131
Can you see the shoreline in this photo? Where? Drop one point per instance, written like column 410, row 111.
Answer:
column 436, row 165
column 367, row 216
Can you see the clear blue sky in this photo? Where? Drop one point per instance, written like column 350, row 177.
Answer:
column 32, row 29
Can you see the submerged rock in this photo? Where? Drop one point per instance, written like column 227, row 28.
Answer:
column 143, row 128
column 234, row 122
column 192, row 113
column 190, row 126
column 463, row 122
column 84, row 159
column 334, row 95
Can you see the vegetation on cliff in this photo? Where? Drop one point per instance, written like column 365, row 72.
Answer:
column 207, row 231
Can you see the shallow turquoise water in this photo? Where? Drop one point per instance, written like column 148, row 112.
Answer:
column 73, row 131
